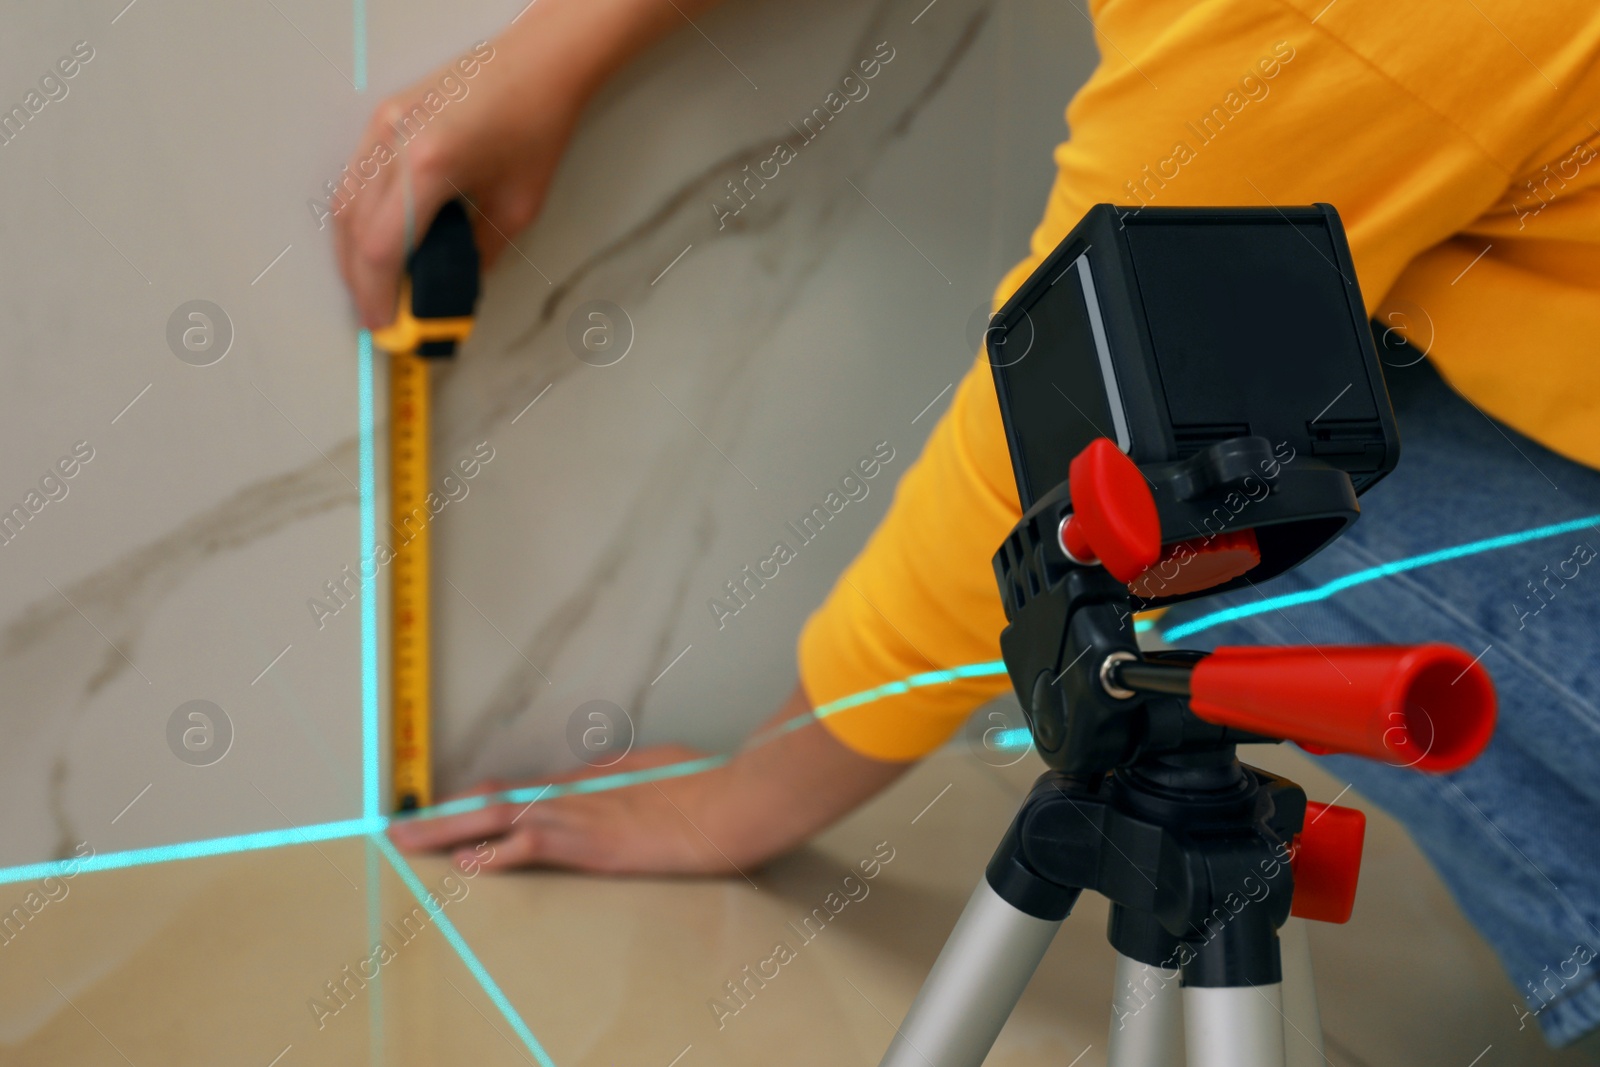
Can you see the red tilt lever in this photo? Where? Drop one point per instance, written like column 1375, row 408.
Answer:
column 1431, row 706
column 1326, row 859
column 1114, row 523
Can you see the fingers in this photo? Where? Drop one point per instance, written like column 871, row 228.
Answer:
column 496, row 146
column 634, row 830
column 434, row 834
column 362, row 185
column 377, row 252
column 554, row 839
column 370, row 214
column 597, row 835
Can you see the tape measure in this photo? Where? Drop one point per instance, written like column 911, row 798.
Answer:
column 437, row 299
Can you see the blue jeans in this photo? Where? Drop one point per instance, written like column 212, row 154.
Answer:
column 1515, row 835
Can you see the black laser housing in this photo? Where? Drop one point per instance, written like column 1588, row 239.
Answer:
column 1220, row 348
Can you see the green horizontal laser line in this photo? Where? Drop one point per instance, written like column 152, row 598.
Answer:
column 459, row 943
column 602, row 784
column 1017, row 737
column 622, row 780
column 187, row 850
column 354, row 827
column 916, row 681
column 1372, row 574
column 222, row 846
column 988, row 669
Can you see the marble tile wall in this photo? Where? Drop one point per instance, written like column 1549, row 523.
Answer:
column 214, row 488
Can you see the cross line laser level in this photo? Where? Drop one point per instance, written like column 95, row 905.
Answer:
column 1193, row 402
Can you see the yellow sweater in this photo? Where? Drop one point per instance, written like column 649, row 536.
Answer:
column 1455, row 139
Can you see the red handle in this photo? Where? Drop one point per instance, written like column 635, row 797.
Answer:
column 1427, row 706
column 1326, row 861
column 1114, row 516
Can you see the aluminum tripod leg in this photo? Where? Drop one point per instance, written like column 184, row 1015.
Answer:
column 1146, row 1017
column 1302, row 1033
column 1240, row 1026
column 976, row 981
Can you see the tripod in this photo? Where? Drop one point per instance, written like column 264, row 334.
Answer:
column 1203, row 858
column 1180, row 838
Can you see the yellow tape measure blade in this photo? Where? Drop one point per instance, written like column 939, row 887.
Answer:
column 409, row 590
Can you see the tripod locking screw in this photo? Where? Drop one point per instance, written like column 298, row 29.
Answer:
column 1326, row 860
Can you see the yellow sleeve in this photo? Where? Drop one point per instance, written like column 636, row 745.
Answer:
column 1231, row 102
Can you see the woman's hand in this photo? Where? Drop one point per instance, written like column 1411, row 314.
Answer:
column 489, row 125
column 666, row 827
column 729, row 820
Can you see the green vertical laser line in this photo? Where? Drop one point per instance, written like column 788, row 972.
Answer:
column 358, row 38
column 374, row 935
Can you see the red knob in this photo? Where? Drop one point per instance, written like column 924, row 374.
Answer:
column 1199, row 563
column 1113, row 520
column 1326, row 859
column 1431, row 707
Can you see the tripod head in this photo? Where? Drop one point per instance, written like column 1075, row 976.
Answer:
column 1193, row 403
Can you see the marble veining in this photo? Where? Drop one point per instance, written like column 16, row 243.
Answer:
column 619, row 498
